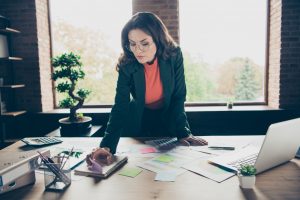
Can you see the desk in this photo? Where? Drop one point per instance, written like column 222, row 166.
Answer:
column 280, row 183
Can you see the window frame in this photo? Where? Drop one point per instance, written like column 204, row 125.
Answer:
column 187, row 104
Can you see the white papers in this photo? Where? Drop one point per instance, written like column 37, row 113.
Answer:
column 158, row 165
column 77, row 156
column 219, row 141
column 166, row 176
column 138, row 150
column 207, row 170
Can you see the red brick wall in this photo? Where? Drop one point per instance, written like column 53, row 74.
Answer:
column 31, row 18
column 43, row 34
column 290, row 55
column 274, row 53
column 167, row 10
column 284, row 59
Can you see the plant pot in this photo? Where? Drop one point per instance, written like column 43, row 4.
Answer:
column 229, row 105
column 78, row 128
column 246, row 182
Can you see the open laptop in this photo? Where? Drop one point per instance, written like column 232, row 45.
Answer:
column 280, row 145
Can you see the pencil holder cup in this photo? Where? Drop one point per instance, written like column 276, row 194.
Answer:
column 57, row 174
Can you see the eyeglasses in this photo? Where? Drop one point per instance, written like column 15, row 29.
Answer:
column 144, row 46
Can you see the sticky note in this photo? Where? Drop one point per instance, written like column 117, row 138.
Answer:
column 148, row 150
column 130, row 172
column 168, row 176
column 164, row 158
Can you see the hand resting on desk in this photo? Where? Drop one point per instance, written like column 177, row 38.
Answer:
column 193, row 141
column 100, row 155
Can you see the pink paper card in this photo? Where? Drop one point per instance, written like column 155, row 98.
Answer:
column 148, row 150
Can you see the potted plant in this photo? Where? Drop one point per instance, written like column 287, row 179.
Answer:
column 229, row 103
column 246, row 175
column 67, row 72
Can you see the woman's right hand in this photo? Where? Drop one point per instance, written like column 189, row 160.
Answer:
column 101, row 155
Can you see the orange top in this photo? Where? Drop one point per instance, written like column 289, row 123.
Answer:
column 154, row 88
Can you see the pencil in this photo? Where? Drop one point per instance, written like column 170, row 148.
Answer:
column 63, row 164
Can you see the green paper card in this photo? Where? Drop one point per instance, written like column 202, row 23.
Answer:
column 130, row 172
column 164, row 158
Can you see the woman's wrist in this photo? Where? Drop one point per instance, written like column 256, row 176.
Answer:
column 107, row 149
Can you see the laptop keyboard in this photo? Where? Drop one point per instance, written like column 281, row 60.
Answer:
column 249, row 160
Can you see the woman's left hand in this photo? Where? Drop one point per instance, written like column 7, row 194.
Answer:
column 192, row 140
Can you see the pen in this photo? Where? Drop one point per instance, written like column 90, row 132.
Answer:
column 59, row 174
column 221, row 148
column 63, row 164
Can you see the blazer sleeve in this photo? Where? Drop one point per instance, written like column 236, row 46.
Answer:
column 118, row 113
column 178, row 116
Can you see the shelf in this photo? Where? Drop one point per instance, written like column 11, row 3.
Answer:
column 13, row 113
column 11, row 58
column 11, row 86
column 9, row 30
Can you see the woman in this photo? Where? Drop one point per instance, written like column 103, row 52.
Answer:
column 151, row 88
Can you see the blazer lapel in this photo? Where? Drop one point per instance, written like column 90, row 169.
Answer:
column 139, row 82
column 165, row 76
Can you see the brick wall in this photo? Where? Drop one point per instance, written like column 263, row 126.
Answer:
column 31, row 18
column 44, row 50
column 290, row 55
column 284, row 57
column 167, row 10
column 274, row 53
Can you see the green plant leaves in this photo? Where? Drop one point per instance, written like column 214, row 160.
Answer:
column 67, row 103
column 67, row 60
column 68, row 70
column 247, row 170
column 83, row 93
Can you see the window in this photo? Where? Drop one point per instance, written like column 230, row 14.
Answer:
column 224, row 45
column 92, row 29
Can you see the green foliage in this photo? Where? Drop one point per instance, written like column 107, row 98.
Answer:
column 68, row 70
column 79, row 115
column 83, row 93
column 228, row 78
column 247, row 87
column 247, row 170
column 63, row 87
column 66, row 61
column 67, row 103
column 97, row 55
column 198, row 82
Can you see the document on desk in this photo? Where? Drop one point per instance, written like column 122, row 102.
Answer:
column 228, row 143
column 207, row 170
column 138, row 150
column 170, row 161
column 76, row 157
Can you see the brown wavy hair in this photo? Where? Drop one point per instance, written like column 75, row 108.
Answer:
column 152, row 25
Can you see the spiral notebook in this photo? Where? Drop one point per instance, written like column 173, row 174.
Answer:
column 107, row 170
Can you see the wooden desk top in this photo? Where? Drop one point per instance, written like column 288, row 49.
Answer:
column 282, row 182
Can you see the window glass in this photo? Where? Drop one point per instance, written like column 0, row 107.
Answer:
column 92, row 29
column 224, row 45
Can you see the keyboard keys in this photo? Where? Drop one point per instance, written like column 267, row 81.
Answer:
column 249, row 160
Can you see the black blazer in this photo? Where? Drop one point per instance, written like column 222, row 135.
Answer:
column 126, row 114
